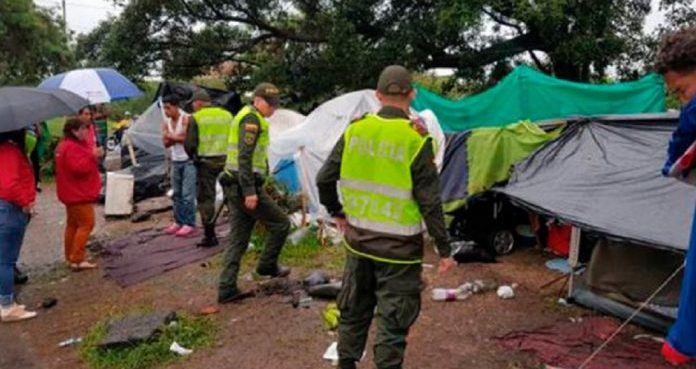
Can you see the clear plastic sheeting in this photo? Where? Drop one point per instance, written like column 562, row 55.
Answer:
column 145, row 133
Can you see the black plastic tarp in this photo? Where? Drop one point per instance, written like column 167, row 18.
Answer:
column 603, row 175
column 229, row 100
column 454, row 177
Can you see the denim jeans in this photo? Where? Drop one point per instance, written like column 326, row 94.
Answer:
column 13, row 223
column 184, row 186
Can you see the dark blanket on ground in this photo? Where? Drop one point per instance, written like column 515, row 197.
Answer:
column 567, row 345
column 149, row 253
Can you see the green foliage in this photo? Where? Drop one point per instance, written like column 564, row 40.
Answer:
column 308, row 253
column 135, row 106
column 192, row 333
column 32, row 44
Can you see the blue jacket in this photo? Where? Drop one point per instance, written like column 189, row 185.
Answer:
column 683, row 137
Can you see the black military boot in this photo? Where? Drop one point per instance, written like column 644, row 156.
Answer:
column 277, row 271
column 209, row 237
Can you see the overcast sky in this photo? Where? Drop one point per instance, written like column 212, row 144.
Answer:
column 84, row 15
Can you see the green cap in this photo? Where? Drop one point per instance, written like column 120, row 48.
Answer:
column 200, row 95
column 394, row 80
column 268, row 92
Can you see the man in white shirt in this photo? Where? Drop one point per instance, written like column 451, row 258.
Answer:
column 183, row 173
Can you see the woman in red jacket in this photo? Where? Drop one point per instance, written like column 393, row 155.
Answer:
column 17, row 196
column 78, row 184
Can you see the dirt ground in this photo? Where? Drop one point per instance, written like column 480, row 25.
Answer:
column 267, row 332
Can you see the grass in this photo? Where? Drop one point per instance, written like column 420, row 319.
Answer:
column 191, row 333
column 308, row 253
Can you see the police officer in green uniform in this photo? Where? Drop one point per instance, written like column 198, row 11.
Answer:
column 246, row 170
column 206, row 143
column 389, row 186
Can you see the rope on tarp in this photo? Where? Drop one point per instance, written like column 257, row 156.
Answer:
column 630, row 318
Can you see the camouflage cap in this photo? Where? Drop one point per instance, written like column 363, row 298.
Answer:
column 268, row 92
column 200, row 95
column 394, row 80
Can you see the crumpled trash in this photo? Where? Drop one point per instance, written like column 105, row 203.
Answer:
column 178, row 349
column 297, row 236
column 470, row 251
column 331, row 316
column 49, row 302
column 506, row 292
column 70, row 342
column 331, row 353
column 316, row 278
column 325, row 291
column 301, row 299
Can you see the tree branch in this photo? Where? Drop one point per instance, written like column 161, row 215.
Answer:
column 476, row 58
column 500, row 19
column 537, row 62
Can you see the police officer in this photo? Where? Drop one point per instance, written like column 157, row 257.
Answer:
column 390, row 187
column 206, row 143
column 245, row 173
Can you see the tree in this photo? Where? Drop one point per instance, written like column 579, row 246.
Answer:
column 325, row 47
column 32, row 44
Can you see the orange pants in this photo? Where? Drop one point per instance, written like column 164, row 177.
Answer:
column 77, row 230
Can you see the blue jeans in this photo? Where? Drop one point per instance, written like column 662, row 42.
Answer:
column 184, row 186
column 13, row 223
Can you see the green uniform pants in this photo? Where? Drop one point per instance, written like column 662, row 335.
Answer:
column 242, row 221
column 395, row 290
column 208, row 170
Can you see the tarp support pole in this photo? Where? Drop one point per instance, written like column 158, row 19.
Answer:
column 131, row 151
column 573, row 257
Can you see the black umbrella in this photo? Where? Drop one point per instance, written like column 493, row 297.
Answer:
column 21, row 107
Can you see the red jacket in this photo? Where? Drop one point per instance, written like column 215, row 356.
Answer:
column 16, row 177
column 77, row 173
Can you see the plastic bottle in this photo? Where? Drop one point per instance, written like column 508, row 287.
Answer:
column 449, row 294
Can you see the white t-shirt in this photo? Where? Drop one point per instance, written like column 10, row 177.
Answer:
column 177, row 150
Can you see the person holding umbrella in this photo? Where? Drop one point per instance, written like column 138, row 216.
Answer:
column 78, row 184
column 17, row 196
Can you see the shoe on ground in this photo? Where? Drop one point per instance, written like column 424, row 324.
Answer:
column 76, row 267
column 172, row 229
column 19, row 277
column 233, row 296
column 278, row 271
column 672, row 356
column 15, row 313
column 185, row 231
column 208, row 242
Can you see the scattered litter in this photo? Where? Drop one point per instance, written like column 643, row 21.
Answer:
column 470, row 251
column 428, row 266
column 464, row 291
column 297, row 236
column 70, row 342
column 316, row 278
column 575, row 320
column 332, row 353
column 209, row 310
column 563, row 302
column 506, row 292
column 301, row 299
column 331, row 316
column 325, row 291
column 176, row 348
column 450, row 294
column 49, row 302
column 173, row 324
column 649, row 337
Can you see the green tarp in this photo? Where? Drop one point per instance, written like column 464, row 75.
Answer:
column 527, row 94
column 493, row 151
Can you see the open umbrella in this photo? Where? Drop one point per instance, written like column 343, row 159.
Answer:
column 98, row 85
column 21, row 107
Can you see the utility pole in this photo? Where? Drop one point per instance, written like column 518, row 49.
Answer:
column 65, row 21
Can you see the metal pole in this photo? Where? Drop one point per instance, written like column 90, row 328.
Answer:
column 65, row 21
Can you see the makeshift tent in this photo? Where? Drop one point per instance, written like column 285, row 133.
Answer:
column 311, row 142
column 285, row 171
column 146, row 137
column 603, row 176
column 528, row 94
column 477, row 159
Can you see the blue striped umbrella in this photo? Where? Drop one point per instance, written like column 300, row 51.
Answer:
column 98, row 85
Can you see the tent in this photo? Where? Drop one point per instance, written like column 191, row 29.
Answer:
column 311, row 142
column 602, row 175
column 285, row 171
column 527, row 94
